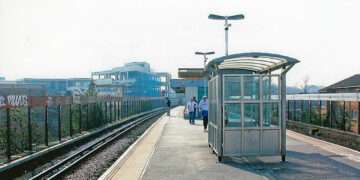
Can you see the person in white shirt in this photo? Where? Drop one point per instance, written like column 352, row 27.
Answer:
column 191, row 109
column 204, row 108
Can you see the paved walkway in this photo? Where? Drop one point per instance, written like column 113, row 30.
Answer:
column 182, row 153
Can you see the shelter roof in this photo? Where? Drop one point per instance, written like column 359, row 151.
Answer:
column 258, row 62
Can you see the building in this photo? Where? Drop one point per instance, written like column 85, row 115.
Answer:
column 191, row 84
column 165, row 87
column 12, row 88
column 132, row 79
column 60, row 87
column 189, row 87
column 348, row 85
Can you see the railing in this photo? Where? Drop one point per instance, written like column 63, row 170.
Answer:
column 339, row 111
column 30, row 124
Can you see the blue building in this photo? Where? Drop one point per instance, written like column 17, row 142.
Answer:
column 132, row 79
column 60, row 87
column 12, row 88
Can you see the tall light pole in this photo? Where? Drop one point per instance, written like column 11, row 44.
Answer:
column 227, row 25
column 204, row 54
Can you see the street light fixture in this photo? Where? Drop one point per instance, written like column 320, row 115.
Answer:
column 227, row 25
column 204, row 54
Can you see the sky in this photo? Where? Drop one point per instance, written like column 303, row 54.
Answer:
column 72, row 38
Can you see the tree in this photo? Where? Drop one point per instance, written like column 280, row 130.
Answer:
column 92, row 89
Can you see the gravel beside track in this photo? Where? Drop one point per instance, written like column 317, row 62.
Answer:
column 93, row 167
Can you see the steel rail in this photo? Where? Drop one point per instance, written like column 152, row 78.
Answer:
column 66, row 164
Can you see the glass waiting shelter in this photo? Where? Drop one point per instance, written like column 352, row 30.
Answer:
column 247, row 104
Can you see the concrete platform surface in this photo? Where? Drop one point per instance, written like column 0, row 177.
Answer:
column 181, row 153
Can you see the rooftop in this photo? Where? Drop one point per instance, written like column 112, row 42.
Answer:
column 350, row 82
column 132, row 66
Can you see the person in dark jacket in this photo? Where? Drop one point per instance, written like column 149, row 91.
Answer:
column 168, row 103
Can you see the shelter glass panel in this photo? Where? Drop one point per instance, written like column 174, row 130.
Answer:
column 251, row 87
column 232, row 88
column 271, row 115
column 270, row 87
column 232, row 115
column 251, row 115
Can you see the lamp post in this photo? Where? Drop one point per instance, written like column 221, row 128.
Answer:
column 227, row 25
column 204, row 54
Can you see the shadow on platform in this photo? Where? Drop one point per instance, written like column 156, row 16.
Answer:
column 298, row 166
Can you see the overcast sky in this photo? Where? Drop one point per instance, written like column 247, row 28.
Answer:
column 72, row 38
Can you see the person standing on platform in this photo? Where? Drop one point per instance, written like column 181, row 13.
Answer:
column 168, row 103
column 190, row 108
column 204, row 108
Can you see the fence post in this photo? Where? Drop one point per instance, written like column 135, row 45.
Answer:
column 320, row 117
column 110, row 113
column 115, row 110
column 46, row 126
column 330, row 114
column 118, row 110
column 358, row 119
column 344, row 116
column 29, row 129
column 59, row 122
column 121, row 108
column 310, row 113
column 288, row 110
column 70, row 119
column 80, row 117
column 295, row 111
column 105, row 112
column 302, row 110
column 87, row 116
column 8, row 147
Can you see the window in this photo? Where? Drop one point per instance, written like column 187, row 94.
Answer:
column 270, row 114
column 270, row 87
column 251, row 87
column 251, row 115
column 232, row 88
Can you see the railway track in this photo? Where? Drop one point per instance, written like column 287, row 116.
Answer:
column 60, row 168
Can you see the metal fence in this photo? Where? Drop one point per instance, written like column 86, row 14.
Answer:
column 338, row 111
column 30, row 124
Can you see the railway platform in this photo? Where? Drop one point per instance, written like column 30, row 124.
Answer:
column 174, row 149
